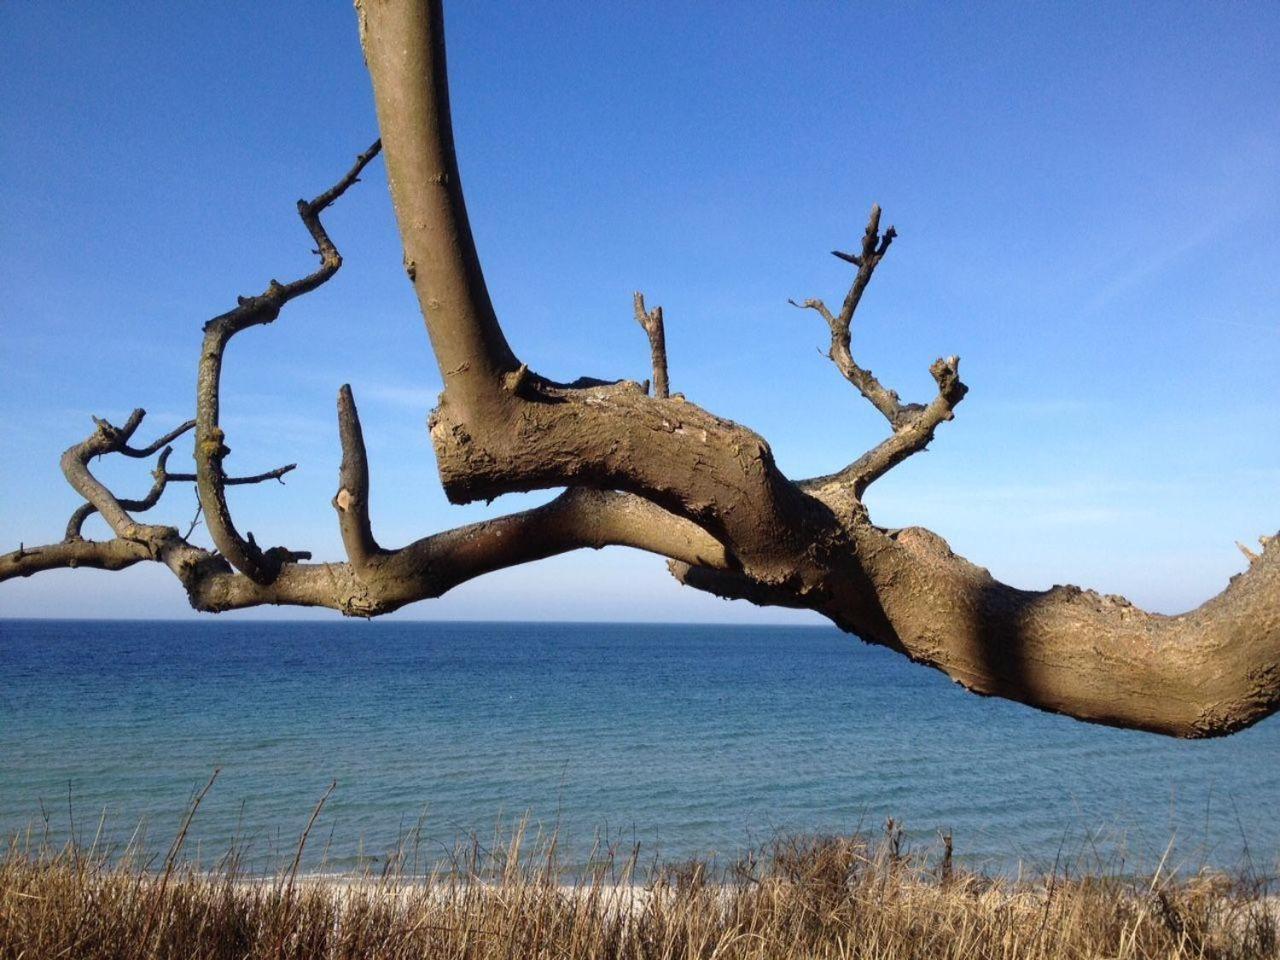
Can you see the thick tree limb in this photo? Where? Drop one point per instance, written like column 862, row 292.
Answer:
column 1208, row 672
column 404, row 50
column 651, row 323
column 430, row 567
column 500, row 428
column 210, row 448
column 577, row 518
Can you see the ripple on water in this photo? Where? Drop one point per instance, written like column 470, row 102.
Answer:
column 687, row 739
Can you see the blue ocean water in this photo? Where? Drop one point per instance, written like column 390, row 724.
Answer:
column 691, row 740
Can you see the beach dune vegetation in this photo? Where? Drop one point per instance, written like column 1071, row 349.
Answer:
column 810, row 897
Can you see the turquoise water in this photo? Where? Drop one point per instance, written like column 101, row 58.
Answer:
column 690, row 740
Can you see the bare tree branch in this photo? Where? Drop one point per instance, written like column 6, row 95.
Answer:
column 144, row 452
column 913, row 436
column 210, row 449
column 874, row 247
column 500, row 429
column 439, row 251
column 160, row 479
column 352, row 499
column 913, row 424
column 277, row 474
column 115, row 554
column 577, row 518
column 651, row 323
column 75, row 466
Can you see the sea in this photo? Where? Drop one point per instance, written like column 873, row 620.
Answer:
column 673, row 741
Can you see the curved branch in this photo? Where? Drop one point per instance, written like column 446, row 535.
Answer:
column 1205, row 673
column 144, row 452
column 914, row 435
column 160, row 480
column 75, row 467
column 405, row 52
column 500, row 428
column 432, row 566
column 210, row 447
column 577, row 518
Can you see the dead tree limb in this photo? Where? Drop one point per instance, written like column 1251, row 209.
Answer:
column 651, row 323
column 210, row 449
column 913, row 424
column 161, row 478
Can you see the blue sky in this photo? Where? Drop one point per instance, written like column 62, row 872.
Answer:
column 1088, row 198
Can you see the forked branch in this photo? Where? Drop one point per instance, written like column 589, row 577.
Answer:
column 160, row 479
column 913, row 424
column 106, row 439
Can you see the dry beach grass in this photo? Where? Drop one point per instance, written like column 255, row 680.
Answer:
column 846, row 897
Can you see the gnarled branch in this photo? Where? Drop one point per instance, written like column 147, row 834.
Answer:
column 210, row 449
column 913, row 424
column 111, row 439
column 159, row 481
column 499, row 427
column 575, row 519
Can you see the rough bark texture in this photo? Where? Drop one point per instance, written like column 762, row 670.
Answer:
column 658, row 473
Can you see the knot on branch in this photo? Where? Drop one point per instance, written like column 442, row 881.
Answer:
column 514, row 381
column 212, row 448
column 1265, row 542
column 112, row 438
column 161, row 473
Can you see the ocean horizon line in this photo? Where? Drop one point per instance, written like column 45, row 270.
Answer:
column 386, row 623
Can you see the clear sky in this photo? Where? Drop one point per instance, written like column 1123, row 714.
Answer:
column 1087, row 196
